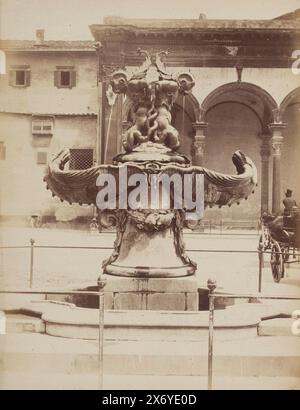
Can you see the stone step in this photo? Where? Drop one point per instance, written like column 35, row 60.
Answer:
column 63, row 381
column 276, row 327
column 19, row 323
column 144, row 325
column 14, row 302
column 254, row 357
column 65, row 320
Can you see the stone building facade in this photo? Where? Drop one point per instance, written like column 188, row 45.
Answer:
column 48, row 102
column 246, row 97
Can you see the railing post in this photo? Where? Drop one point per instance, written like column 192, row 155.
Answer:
column 260, row 264
column 211, row 284
column 101, row 284
column 32, row 242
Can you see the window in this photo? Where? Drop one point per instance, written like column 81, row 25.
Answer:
column 2, row 151
column 41, row 158
column 42, row 126
column 19, row 76
column 65, row 77
column 81, row 158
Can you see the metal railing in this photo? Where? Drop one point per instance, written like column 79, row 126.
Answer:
column 223, row 226
column 212, row 296
column 260, row 252
column 100, row 293
column 211, row 226
column 211, row 284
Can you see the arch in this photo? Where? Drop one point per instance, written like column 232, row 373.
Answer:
column 289, row 99
column 2, row 62
column 192, row 106
column 266, row 100
column 236, row 102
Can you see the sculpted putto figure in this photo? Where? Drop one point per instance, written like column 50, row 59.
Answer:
column 152, row 91
column 136, row 134
column 166, row 133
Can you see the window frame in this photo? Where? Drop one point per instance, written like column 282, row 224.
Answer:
column 58, row 76
column 40, row 161
column 43, row 122
column 13, row 69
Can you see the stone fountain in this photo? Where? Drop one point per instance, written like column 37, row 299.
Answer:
column 149, row 268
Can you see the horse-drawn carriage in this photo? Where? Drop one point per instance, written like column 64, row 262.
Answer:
column 281, row 237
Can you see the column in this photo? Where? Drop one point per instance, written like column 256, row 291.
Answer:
column 101, row 87
column 119, row 123
column 265, row 153
column 198, row 143
column 276, row 141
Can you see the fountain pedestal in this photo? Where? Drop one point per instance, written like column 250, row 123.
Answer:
column 151, row 293
column 149, row 244
column 149, row 268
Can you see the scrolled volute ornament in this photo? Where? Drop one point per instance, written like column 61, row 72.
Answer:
column 119, row 82
column 186, row 82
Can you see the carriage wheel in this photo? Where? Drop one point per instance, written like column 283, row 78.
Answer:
column 276, row 262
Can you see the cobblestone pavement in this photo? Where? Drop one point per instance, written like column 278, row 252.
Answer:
column 64, row 267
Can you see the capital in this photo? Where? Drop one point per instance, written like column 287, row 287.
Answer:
column 277, row 128
column 200, row 127
column 199, row 144
column 276, row 145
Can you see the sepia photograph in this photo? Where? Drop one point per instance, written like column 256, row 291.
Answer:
column 149, row 197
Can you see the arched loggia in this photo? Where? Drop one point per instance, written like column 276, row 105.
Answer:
column 251, row 95
column 238, row 116
column 290, row 149
column 293, row 97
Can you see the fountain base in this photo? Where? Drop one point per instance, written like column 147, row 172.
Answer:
column 149, row 245
column 151, row 293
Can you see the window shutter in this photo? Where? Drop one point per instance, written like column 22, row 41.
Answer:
column 72, row 79
column 41, row 158
column 57, row 78
column 27, row 78
column 12, row 77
